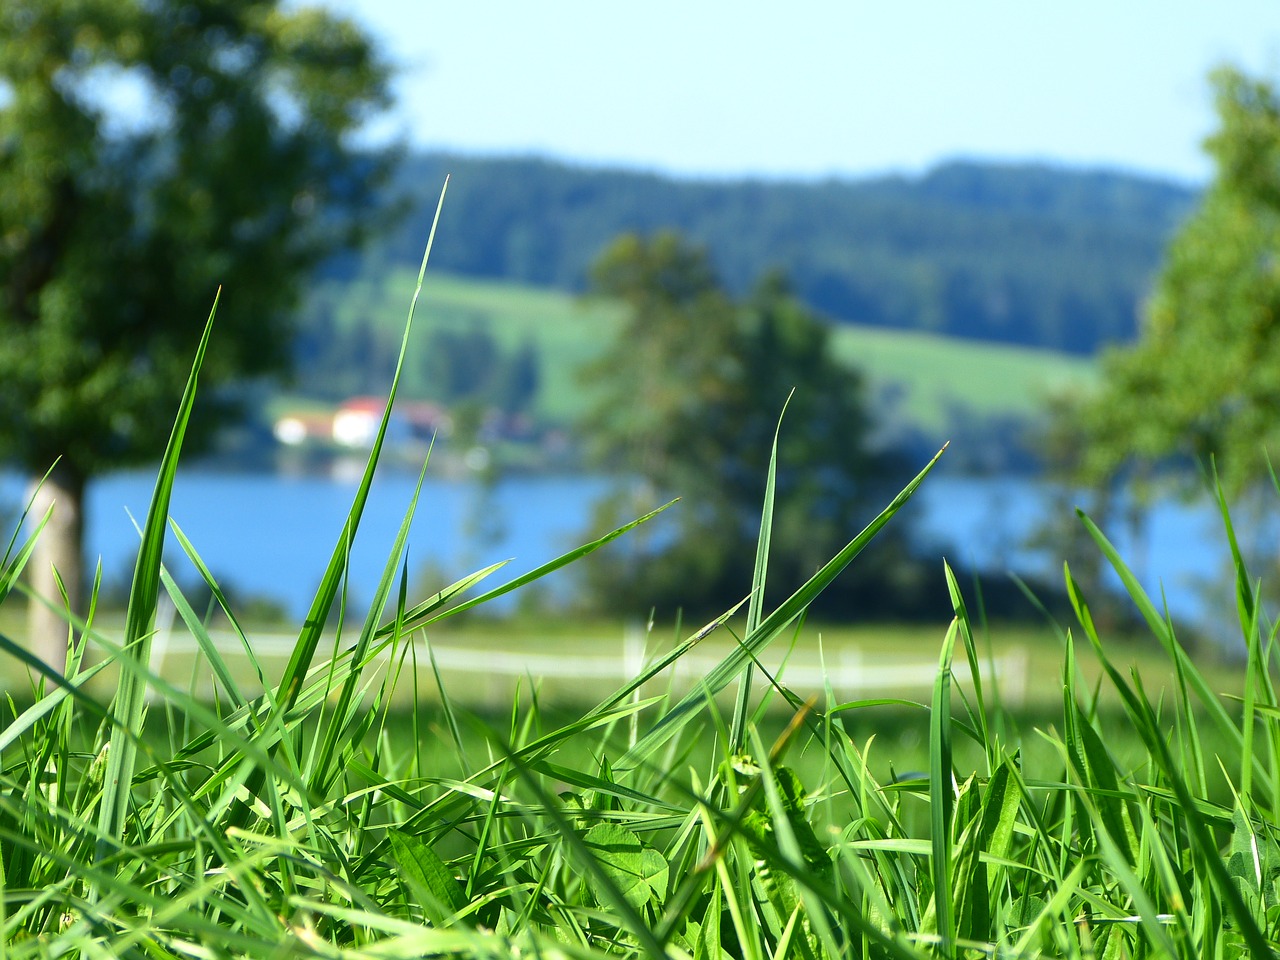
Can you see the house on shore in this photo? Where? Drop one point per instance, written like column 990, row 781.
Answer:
column 354, row 424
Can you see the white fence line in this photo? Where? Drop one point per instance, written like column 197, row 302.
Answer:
column 848, row 670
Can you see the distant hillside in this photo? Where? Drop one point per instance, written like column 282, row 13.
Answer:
column 1029, row 255
column 924, row 385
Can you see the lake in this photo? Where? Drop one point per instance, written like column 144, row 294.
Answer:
column 272, row 534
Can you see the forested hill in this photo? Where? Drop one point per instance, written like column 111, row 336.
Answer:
column 1025, row 254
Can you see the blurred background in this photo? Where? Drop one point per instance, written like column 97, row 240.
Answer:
column 1045, row 235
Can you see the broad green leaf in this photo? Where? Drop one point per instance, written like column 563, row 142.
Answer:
column 438, row 892
column 640, row 872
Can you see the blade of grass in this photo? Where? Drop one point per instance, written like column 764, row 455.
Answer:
column 1202, row 843
column 755, row 606
column 942, row 792
column 1160, row 627
column 300, row 660
column 416, row 619
column 320, row 771
column 129, row 705
column 769, row 628
column 313, row 626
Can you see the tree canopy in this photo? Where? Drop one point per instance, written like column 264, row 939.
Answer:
column 1204, row 378
column 687, row 403
column 151, row 151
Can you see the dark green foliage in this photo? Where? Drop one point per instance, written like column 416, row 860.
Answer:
column 118, row 232
column 459, row 363
column 1205, row 376
column 118, row 227
column 688, row 400
column 1020, row 254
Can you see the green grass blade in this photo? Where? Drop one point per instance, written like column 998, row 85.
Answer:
column 539, row 572
column 213, row 658
column 309, row 638
column 321, row 769
column 942, row 793
column 25, row 722
column 196, row 626
column 980, row 713
column 428, row 611
column 1204, row 845
column 129, row 706
column 1164, row 633
column 759, row 576
column 769, row 628
column 13, row 564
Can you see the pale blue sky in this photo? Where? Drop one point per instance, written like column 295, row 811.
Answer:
column 817, row 87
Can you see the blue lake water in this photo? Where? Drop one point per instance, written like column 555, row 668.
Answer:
column 273, row 534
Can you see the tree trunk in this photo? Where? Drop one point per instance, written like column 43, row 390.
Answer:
column 61, row 548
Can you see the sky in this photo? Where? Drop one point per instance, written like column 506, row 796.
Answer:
column 818, row 87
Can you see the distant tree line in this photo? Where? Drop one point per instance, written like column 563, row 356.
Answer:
column 1030, row 255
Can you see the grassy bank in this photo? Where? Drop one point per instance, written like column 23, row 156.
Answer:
column 306, row 813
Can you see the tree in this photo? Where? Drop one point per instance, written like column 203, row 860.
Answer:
column 688, row 400
column 521, row 377
column 233, row 165
column 1204, row 376
column 461, row 365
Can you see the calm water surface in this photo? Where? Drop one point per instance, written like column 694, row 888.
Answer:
column 272, row 534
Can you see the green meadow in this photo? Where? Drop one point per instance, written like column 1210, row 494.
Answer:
column 345, row 804
column 933, row 378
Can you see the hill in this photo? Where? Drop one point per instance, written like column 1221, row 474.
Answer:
column 1028, row 255
column 925, row 385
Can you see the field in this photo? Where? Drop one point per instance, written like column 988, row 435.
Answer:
column 1122, row 805
column 940, row 378
column 487, row 663
column 934, row 378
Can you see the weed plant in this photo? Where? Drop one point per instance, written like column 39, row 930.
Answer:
column 311, row 820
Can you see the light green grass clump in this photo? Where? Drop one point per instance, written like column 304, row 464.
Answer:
column 312, row 820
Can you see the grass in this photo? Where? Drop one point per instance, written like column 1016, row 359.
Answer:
column 940, row 378
column 998, row 380
column 307, row 817
column 567, row 332
column 1032, row 687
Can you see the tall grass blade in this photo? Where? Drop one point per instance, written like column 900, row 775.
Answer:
column 129, row 705
column 304, row 650
column 980, row 712
column 942, row 793
column 415, row 618
column 1202, row 844
column 769, row 628
column 12, row 565
column 1164, row 633
column 1255, row 663
column 759, row 576
column 312, row 628
column 320, row 770
column 196, row 625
